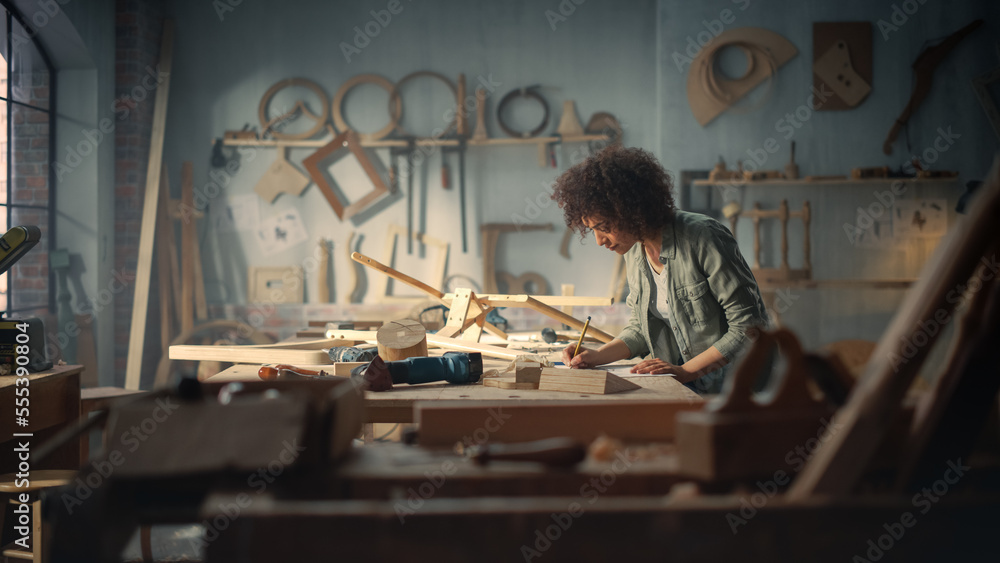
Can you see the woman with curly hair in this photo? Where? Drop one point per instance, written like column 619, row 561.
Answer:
column 695, row 304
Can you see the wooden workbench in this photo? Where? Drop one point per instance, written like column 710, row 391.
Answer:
column 54, row 403
column 397, row 405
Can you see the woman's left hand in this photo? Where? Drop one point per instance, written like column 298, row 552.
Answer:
column 658, row 366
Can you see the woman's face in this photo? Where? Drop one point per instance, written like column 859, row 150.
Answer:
column 608, row 237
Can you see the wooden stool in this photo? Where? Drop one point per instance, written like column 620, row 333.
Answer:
column 40, row 479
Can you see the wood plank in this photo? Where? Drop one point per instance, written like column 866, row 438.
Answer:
column 443, row 423
column 838, row 463
column 164, row 270
column 508, row 383
column 599, row 381
column 188, row 244
column 140, row 300
column 249, row 355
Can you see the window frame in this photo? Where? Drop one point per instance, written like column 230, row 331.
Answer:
column 7, row 98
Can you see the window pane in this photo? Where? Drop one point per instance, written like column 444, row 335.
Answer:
column 30, row 158
column 3, row 51
column 3, row 277
column 30, row 275
column 29, row 76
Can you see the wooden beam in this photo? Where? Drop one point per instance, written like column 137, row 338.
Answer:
column 140, row 300
column 250, row 355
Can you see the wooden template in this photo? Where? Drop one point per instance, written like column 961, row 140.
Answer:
column 709, row 95
column 151, row 198
column 281, row 177
column 569, row 123
column 462, row 115
column 480, row 134
column 278, row 284
column 837, row 465
column 842, row 60
column 596, row 381
column 491, row 236
column 393, row 232
column 346, row 140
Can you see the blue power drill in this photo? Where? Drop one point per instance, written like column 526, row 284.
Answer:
column 454, row 367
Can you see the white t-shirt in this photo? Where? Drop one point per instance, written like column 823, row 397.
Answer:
column 659, row 304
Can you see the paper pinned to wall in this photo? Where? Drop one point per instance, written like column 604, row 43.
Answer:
column 237, row 213
column 876, row 233
column 920, row 218
column 281, row 232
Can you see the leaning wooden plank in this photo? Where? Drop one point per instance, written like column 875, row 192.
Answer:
column 568, row 320
column 838, row 463
column 443, row 423
column 469, row 346
column 415, row 283
column 140, row 300
column 188, row 243
column 599, row 381
column 250, row 355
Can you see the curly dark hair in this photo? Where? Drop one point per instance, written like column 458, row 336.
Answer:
column 625, row 187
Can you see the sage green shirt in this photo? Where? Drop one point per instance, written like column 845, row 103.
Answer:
column 714, row 298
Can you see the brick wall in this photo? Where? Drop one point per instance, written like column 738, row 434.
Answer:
column 138, row 27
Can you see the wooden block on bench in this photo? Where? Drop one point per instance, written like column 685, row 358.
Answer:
column 508, row 383
column 597, row 381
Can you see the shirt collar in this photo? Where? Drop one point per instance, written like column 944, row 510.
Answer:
column 668, row 242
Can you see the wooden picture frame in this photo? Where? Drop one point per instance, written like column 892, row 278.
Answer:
column 335, row 150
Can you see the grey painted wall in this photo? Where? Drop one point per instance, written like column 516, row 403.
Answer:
column 833, row 142
column 607, row 56
column 224, row 67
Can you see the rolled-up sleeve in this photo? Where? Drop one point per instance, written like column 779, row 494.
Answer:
column 734, row 287
column 632, row 335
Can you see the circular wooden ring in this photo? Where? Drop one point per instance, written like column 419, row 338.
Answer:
column 528, row 92
column 266, row 123
column 338, row 101
column 396, row 104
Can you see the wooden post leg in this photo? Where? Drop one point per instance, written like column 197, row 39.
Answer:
column 783, row 214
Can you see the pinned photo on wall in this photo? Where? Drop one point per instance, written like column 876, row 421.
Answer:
column 281, row 232
column 920, row 218
column 237, row 213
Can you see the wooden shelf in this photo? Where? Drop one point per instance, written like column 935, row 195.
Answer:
column 316, row 143
column 802, row 182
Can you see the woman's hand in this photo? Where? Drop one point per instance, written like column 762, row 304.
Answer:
column 658, row 366
column 585, row 359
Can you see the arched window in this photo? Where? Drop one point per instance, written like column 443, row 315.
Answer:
column 27, row 136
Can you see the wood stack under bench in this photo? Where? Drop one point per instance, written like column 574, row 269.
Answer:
column 597, row 381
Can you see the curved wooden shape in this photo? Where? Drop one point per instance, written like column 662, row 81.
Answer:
column 267, row 123
column 766, row 52
column 338, row 101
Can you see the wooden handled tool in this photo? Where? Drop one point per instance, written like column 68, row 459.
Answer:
column 554, row 452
